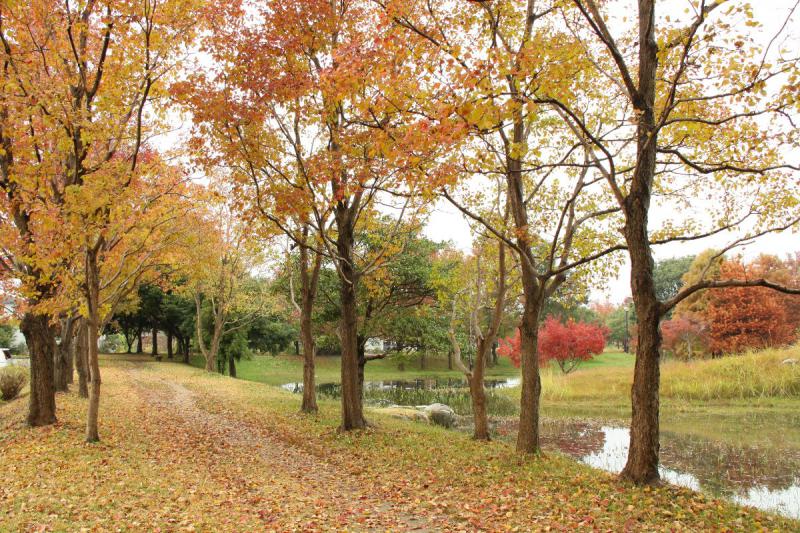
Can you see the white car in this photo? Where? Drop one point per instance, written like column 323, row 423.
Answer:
column 5, row 356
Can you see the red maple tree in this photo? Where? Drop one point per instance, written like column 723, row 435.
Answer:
column 567, row 344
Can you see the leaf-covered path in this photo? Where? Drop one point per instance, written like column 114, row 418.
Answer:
column 183, row 450
column 291, row 487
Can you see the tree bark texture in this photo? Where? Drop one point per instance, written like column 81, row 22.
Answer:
column 42, row 347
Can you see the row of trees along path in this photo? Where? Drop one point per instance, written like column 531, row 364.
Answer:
column 556, row 128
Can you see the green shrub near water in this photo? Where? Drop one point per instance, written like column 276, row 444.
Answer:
column 12, row 380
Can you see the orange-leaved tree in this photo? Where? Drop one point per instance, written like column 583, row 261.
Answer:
column 743, row 318
column 301, row 107
column 84, row 77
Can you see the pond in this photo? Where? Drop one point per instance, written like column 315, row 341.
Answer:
column 425, row 391
column 762, row 474
column 750, row 457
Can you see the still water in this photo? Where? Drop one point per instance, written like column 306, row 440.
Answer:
column 762, row 474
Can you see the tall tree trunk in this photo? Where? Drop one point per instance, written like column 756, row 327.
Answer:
column 93, row 300
column 154, row 350
column 185, row 350
column 642, row 463
column 352, row 407
column 478, row 393
column 41, row 345
column 309, row 281
column 82, row 358
column 62, row 367
column 528, row 435
column 309, row 404
column 534, row 295
column 169, row 344
column 231, row 366
column 139, row 343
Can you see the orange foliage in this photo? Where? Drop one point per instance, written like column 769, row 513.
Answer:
column 744, row 318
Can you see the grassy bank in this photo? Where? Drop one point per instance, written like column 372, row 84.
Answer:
column 159, row 466
column 756, row 375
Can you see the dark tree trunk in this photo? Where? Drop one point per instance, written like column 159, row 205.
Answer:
column 93, row 326
column 231, row 367
column 42, row 346
column 82, row 358
column 309, row 280
column 71, row 357
column 139, row 343
column 185, row 350
column 478, row 393
column 297, row 347
column 528, row 436
column 309, row 404
column 352, row 407
column 62, row 367
column 422, row 360
column 449, row 359
column 362, row 363
column 642, row 464
column 154, row 350
column 169, row 344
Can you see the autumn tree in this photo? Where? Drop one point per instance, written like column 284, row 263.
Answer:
column 488, row 66
column 696, row 105
column 477, row 293
column 312, row 116
column 685, row 336
column 218, row 272
column 706, row 265
column 743, row 318
column 567, row 344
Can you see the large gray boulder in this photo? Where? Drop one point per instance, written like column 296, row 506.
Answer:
column 440, row 414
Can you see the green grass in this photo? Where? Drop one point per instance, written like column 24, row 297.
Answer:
column 289, row 369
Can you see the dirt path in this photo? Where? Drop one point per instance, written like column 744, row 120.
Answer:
column 312, row 493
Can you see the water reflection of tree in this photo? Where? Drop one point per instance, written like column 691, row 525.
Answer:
column 726, row 469
column 425, row 391
column 576, row 438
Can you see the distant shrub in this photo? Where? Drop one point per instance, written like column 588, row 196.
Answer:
column 112, row 343
column 12, row 379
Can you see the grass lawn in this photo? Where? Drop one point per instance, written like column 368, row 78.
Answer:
column 183, row 450
column 289, row 369
column 608, row 359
